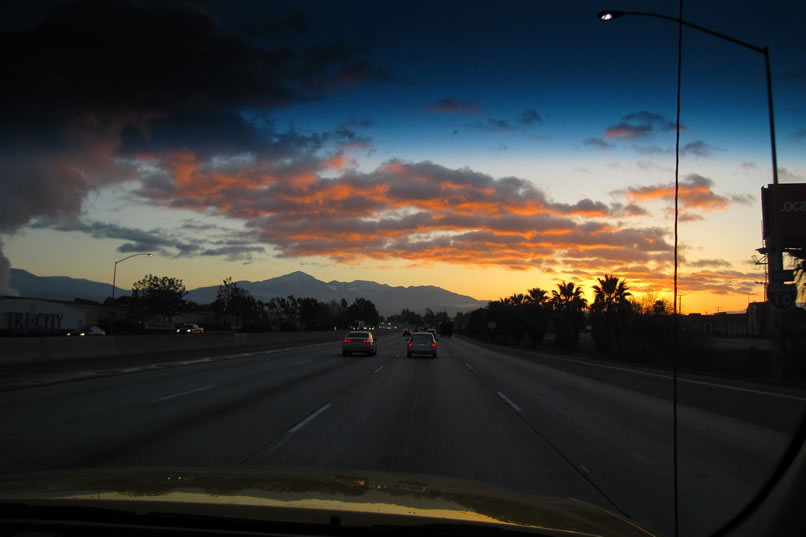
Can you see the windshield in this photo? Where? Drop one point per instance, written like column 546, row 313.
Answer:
column 586, row 216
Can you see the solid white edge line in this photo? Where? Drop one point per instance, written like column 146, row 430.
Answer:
column 470, row 367
column 508, row 401
column 309, row 419
column 167, row 397
column 377, row 370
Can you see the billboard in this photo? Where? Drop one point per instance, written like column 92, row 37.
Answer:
column 36, row 317
column 788, row 211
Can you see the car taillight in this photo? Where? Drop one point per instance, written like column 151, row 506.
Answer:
column 433, row 344
column 411, row 344
column 347, row 341
column 365, row 341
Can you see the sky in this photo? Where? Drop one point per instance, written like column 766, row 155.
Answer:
column 486, row 148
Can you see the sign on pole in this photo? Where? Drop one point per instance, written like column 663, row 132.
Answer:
column 782, row 295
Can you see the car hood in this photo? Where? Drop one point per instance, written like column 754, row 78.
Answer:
column 357, row 498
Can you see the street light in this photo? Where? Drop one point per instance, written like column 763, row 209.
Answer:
column 115, row 273
column 612, row 14
column 776, row 261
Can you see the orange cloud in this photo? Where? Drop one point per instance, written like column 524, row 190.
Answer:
column 424, row 213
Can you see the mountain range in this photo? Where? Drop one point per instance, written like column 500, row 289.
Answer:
column 387, row 299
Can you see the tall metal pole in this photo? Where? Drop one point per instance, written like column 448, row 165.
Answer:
column 114, row 277
column 115, row 272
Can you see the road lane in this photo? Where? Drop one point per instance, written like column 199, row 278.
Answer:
column 473, row 413
column 429, row 417
column 622, row 436
column 92, row 422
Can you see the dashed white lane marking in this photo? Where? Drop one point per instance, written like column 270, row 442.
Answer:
column 470, row 367
column 378, row 370
column 508, row 401
column 582, row 467
column 174, row 396
column 309, row 419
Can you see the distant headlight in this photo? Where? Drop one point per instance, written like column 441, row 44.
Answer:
column 82, row 334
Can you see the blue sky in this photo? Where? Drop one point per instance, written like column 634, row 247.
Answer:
column 485, row 148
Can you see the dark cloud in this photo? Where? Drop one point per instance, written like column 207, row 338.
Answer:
column 492, row 124
column 697, row 149
column 631, row 209
column 653, row 150
column 708, row 263
column 749, row 166
column 640, row 125
column 798, row 135
column 529, row 117
column 243, row 253
column 598, row 143
column 200, row 239
column 452, row 105
column 95, row 81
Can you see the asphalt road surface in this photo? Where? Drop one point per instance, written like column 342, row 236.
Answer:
column 532, row 423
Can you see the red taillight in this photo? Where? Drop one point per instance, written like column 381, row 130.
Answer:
column 347, row 341
column 365, row 341
column 411, row 344
column 433, row 344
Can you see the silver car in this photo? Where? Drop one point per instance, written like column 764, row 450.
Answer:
column 421, row 343
column 363, row 342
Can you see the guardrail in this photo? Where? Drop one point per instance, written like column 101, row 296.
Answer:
column 30, row 350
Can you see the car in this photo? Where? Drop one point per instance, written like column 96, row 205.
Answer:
column 434, row 332
column 89, row 331
column 189, row 328
column 406, row 333
column 359, row 342
column 422, row 343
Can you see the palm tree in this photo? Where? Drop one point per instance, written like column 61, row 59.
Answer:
column 537, row 313
column 610, row 292
column 610, row 313
column 537, row 296
column 569, row 319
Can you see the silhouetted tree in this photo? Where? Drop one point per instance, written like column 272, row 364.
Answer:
column 363, row 310
column 158, row 295
column 569, row 317
column 611, row 312
column 538, row 313
column 234, row 301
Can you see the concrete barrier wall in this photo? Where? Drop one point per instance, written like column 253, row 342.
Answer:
column 20, row 350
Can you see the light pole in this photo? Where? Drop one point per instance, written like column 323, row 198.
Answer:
column 611, row 14
column 115, row 273
column 776, row 257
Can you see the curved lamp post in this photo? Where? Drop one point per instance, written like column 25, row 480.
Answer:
column 776, row 256
column 612, row 14
column 115, row 273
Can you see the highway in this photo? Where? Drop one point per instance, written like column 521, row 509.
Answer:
column 532, row 423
